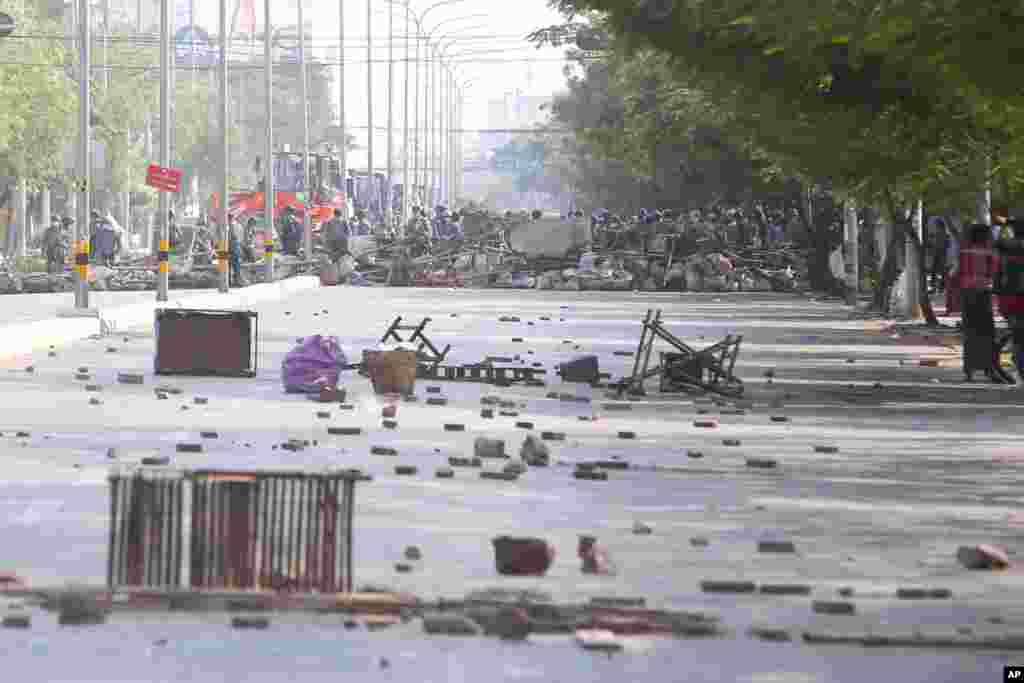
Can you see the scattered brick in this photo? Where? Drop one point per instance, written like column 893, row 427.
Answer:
column 776, row 547
column 727, row 586
column 405, row 470
column 383, row 450
column 344, row 431
column 833, row 607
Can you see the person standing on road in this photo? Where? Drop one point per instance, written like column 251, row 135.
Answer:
column 1010, row 290
column 977, row 269
column 55, row 246
column 336, row 237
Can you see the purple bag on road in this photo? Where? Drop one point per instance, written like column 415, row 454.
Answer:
column 315, row 363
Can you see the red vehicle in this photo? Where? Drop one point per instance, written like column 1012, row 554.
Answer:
column 328, row 190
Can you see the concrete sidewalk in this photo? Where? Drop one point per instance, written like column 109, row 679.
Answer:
column 32, row 322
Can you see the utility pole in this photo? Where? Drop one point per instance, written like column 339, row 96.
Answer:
column 84, row 162
column 369, row 100
column 341, row 109
column 391, row 120
column 164, row 247
column 307, row 225
column 416, row 123
column 269, row 199
column 406, row 187
column 222, row 230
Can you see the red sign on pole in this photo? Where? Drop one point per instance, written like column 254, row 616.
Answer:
column 163, row 179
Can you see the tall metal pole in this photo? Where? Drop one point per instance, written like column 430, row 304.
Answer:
column 222, row 229
column 435, row 128
column 307, row 225
column 163, row 241
column 369, row 99
column 406, row 187
column 269, row 197
column 84, row 162
column 391, row 113
column 341, row 108
column 416, row 120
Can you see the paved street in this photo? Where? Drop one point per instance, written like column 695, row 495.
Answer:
column 924, row 464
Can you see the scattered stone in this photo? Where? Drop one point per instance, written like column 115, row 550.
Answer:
column 705, row 424
column 445, row 473
column 833, row 607
column 294, row 445
column 456, row 461
column 982, row 557
column 499, row 476
column 383, row 450
column 111, row 453
column 250, row 622
column 780, row 418
column 30, row 369
column 450, row 625
column 95, row 401
column 776, row 547
column 699, row 542
column 826, row 449
column 78, row 609
column 624, row 354
column 535, row 452
column 413, row 553
column 346, row 406
column 590, row 475
column 130, row 378
column 437, row 401
column 508, row 413
column 403, row 567
column 785, row 589
column 770, row 634
column 694, row 454
column 487, row 413
column 209, row 435
column 923, row 593
column 17, row 621
column 641, row 529
column 617, row 406
column 484, row 447
column 727, row 586
column 52, row 354
column 454, row 427
column 846, row 592
column 762, row 463
column 730, row 442
column 490, row 400
column 389, row 424
column 344, row 431
column 627, row 435
column 405, row 470
column 161, row 396
column 323, row 414
column 518, row 340
column 614, row 464
column 156, row 461
column 516, row 467
column 586, row 418
column 524, row 425
column 508, row 319
column 507, row 404
column 175, row 391
column 552, row 436
column 93, row 387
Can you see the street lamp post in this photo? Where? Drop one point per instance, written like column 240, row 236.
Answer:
column 222, row 231
column 343, row 157
column 163, row 244
column 307, row 226
column 369, row 97
column 269, row 197
column 391, row 121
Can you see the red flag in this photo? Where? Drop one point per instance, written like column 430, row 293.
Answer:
column 246, row 16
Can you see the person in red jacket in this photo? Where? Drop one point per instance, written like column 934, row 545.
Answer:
column 977, row 269
column 1010, row 289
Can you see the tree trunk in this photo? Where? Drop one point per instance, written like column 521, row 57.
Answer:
column 889, row 274
column 819, row 273
column 911, row 237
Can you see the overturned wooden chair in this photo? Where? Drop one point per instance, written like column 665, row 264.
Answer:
column 426, row 352
column 686, row 369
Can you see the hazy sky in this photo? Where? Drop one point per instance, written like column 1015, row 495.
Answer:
column 486, row 40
